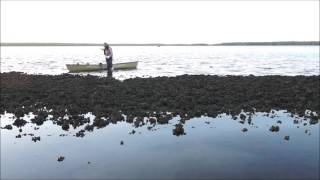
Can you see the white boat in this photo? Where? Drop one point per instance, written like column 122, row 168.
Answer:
column 99, row 67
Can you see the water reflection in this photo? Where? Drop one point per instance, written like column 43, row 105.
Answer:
column 260, row 145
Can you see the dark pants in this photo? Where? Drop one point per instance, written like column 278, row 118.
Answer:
column 109, row 65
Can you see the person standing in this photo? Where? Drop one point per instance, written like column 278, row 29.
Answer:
column 109, row 56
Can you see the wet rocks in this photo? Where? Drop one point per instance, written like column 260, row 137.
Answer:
column 35, row 138
column 274, row 128
column 164, row 119
column 89, row 127
column 18, row 136
column 279, row 122
column 314, row 119
column 80, row 133
column 9, row 127
column 244, row 129
column 194, row 95
column 19, row 122
column 250, row 119
column 243, row 117
column 65, row 126
column 60, row 158
column 40, row 117
column 138, row 122
column 100, row 123
column 152, row 120
column 287, row 138
column 132, row 132
column 307, row 131
column 121, row 143
column 178, row 130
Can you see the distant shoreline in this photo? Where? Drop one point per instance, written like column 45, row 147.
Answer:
column 278, row 43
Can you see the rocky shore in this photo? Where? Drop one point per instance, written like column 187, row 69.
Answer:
column 188, row 96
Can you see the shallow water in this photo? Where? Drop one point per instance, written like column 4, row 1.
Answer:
column 169, row 61
column 211, row 148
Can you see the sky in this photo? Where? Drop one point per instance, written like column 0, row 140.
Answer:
column 159, row 21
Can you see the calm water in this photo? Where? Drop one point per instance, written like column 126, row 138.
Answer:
column 211, row 148
column 169, row 61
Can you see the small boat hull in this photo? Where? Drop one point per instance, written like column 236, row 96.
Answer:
column 101, row 67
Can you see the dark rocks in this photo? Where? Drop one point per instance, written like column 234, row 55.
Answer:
column 242, row 122
column 244, row 129
column 243, row 117
column 61, row 158
column 152, row 120
column 18, row 136
column 314, row 119
column 194, row 95
column 65, row 126
column 274, row 128
column 89, row 127
column 100, row 123
column 164, row 119
column 287, row 138
column 19, row 122
column 250, row 119
column 40, row 117
column 121, row 143
column 132, row 132
column 138, row 122
column 35, row 138
column 178, row 130
column 9, row 127
column 279, row 122
column 80, row 133
column 307, row 131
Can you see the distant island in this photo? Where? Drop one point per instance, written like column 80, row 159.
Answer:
column 276, row 43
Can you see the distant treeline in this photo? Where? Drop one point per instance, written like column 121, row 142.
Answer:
column 278, row 43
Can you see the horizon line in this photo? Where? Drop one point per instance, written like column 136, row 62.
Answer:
column 162, row 44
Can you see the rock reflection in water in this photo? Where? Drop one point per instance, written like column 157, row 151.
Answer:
column 170, row 146
column 88, row 122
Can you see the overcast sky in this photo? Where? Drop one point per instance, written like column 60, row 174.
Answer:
column 158, row 22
